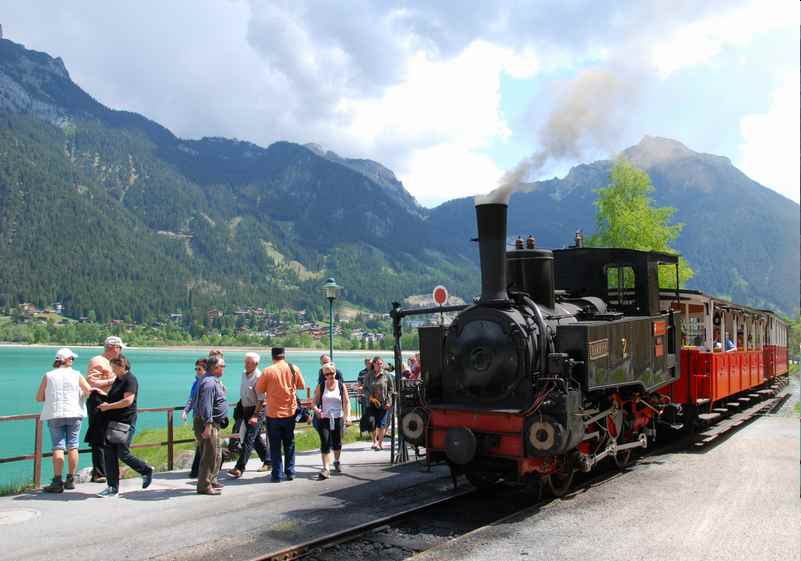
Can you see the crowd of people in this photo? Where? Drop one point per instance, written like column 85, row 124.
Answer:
column 268, row 402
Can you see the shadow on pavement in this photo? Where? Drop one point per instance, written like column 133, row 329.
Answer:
column 66, row 496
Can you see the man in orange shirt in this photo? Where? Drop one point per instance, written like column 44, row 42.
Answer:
column 279, row 383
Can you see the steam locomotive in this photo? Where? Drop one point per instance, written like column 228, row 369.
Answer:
column 569, row 357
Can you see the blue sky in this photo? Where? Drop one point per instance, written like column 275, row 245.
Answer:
column 446, row 94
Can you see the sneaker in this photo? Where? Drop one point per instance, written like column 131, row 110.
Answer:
column 109, row 492
column 69, row 484
column 235, row 473
column 264, row 467
column 324, row 474
column 147, row 479
column 337, row 467
column 98, row 479
column 56, row 486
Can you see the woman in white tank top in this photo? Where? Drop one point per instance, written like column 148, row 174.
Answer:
column 63, row 391
column 331, row 416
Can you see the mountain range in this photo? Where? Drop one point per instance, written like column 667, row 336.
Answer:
column 108, row 211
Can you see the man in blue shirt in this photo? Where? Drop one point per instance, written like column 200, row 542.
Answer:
column 211, row 414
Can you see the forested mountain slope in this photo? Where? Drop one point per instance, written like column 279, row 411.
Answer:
column 108, row 211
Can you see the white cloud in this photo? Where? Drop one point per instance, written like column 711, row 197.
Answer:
column 440, row 116
column 699, row 42
column 415, row 88
column 770, row 148
column 447, row 171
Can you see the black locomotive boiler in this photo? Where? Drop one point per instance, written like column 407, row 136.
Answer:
column 529, row 383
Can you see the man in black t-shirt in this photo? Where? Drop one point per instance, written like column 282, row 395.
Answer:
column 119, row 412
column 325, row 359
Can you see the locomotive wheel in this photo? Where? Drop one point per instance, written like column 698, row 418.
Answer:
column 559, row 483
column 624, row 458
column 482, row 479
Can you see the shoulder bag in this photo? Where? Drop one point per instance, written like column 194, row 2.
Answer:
column 117, row 433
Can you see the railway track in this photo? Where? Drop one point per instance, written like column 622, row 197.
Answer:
column 405, row 534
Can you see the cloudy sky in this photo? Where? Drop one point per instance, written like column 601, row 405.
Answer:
column 448, row 94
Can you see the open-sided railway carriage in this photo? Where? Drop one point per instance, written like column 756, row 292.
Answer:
column 572, row 356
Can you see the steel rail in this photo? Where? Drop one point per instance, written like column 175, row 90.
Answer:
column 295, row 551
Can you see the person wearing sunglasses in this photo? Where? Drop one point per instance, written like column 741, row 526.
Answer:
column 200, row 371
column 331, row 416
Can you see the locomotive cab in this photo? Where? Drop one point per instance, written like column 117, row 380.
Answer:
column 632, row 344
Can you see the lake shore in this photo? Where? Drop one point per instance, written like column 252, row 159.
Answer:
column 203, row 350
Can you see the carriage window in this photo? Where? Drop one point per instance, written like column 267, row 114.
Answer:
column 621, row 286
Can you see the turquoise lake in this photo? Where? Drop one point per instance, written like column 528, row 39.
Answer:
column 165, row 377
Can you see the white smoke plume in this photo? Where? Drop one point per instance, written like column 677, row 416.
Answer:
column 590, row 113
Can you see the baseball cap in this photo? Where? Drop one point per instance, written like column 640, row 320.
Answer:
column 114, row 341
column 64, row 353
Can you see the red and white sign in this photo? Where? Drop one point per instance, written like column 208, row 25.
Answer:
column 440, row 295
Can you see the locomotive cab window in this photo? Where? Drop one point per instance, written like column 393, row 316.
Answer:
column 621, row 285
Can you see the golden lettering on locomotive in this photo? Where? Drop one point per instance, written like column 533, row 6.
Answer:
column 599, row 349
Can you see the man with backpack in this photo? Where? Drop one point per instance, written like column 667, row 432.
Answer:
column 279, row 383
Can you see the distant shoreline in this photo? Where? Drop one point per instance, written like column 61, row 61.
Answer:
column 203, row 350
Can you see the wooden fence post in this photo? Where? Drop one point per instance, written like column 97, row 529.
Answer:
column 169, row 440
column 37, row 453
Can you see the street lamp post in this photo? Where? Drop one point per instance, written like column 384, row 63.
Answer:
column 330, row 289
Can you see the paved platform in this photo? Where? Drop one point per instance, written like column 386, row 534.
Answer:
column 252, row 516
column 736, row 500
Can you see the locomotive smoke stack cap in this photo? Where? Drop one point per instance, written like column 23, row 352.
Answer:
column 491, row 221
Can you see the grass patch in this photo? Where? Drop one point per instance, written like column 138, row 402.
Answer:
column 157, row 457
column 306, row 438
column 15, row 488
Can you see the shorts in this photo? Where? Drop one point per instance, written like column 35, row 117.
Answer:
column 64, row 432
column 380, row 414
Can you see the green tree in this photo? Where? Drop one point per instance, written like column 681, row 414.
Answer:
column 626, row 218
column 794, row 336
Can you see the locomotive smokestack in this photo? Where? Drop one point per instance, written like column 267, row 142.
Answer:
column 491, row 219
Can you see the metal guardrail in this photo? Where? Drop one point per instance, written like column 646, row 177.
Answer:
column 170, row 443
column 38, row 455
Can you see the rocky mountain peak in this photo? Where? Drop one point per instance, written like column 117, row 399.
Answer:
column 653, row 150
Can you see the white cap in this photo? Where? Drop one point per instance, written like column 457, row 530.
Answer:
column 114, row 341
column 64, row 353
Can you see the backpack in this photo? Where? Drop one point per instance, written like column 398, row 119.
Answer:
column 301, row 413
